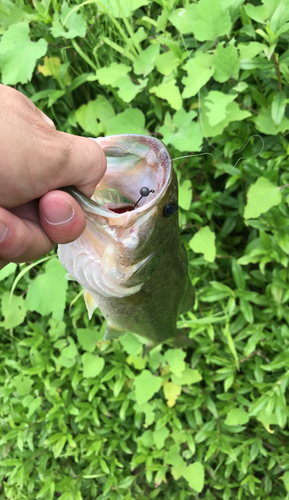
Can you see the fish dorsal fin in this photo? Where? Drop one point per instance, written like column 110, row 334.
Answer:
column 90, row 303
column 112, row 332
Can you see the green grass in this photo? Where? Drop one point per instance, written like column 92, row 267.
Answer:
column 214, row 87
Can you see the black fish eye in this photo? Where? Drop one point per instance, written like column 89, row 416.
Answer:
column 170, row 209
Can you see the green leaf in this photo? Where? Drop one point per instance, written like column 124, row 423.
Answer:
column 200, row 69
column 166, row 63
column 250, row 50
column 278, row 107
column 259, row 14
column 144, row 63
column 125, row 122
column 204, row 242
column 23, row 384
column 95, row 116
column 233, row 113
column 195, row 475
column 183, row 133
column 170, row 92
column 237, row 416
column 175, row 359
column 18, row 54
column 7, row 270
column 87, row 337
column 47, row 293
column 108, row 75
column 264, row 122
column 33, row 406
column 226, row 63
column 69, row 24
column 92, row 365
column 121, row 8
column 262, row 195
column 285, row 479
column 185, row 195
column 13, row 310
column 173, row 457
column 208, row 20
column 131, row 344
column 188, row 377
column 171, row 392
column 217, row 103
column 127, row 89
column 159, row 437
column 146, row 385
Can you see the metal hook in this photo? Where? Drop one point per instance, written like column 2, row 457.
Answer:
column 144, row 191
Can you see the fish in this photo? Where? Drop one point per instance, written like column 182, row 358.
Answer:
column 130, row 260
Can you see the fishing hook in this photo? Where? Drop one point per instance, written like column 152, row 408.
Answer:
column 144, row 191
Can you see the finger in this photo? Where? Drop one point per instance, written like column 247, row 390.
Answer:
column 36, row 158
column 61, row 217
column 21, row 240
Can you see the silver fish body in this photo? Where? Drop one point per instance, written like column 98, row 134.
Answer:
column 130, row 261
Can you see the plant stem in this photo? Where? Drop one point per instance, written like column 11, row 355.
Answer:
column 278, row 72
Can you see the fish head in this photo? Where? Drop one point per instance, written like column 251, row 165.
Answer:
column 126, row 232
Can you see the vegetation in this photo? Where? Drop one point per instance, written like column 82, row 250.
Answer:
column 86, row 419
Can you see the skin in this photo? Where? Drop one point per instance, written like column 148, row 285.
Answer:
column 35, row 161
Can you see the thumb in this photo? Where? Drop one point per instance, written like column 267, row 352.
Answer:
column 83, row 164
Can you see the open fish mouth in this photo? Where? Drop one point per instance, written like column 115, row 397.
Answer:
column 138, row 171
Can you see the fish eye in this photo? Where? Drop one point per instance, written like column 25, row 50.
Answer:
column 170, row 209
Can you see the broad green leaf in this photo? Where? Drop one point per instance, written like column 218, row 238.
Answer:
column 217, row 103
column 92, row 365
column 171, row 392
column 126, row 122
column 166, row 63
column 250, row 50
column 147, row 438
column 278, row 107
column 259, row 14
column 95, row 116
column 13, row 310
column 18, row 54
column 127, row 89
column 159, row 437
column 108, row 75
column 120, row 8
column 50, row 67
column 188, row 377
column 137, row 361
column 185, row 194
column 35, row 403
column 264, row 122
column 173, row 457
column 200, row 69
column 47, row 293
column 204, row 242
column 208, row 20
column 195, row 475
column 87, row 337
column 146, row 386
column 7, row 270
column 23, row 384
column 285, row 479
column 182, row 19
column 148, row 410
column 144, row 63
column 131, row 344
column 68, row 354
column 233, row 113
column 170, row 92
column 175, row 359
column 237, row 416
column 182, row 132
column 69, row 24
column 262, row 195
column 226, row 63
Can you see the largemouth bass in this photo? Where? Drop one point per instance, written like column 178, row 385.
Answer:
column 129, row 259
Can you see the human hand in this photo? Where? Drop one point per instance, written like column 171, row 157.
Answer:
column 36, row 160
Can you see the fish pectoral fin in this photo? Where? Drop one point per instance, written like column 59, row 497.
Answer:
column 90, row 303
column 112, row 332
